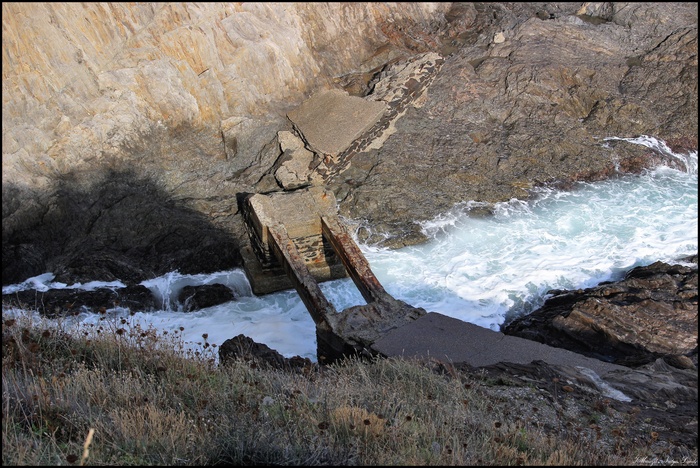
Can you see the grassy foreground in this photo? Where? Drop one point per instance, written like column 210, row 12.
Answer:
column 115, row 395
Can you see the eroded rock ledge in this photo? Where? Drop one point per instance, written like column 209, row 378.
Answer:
column 651, row 313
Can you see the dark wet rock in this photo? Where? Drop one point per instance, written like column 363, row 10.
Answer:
column 244, row 348
column 690, row 259
column 200, row 297
column 651, row 313
column 61, row 302
column 115, row 226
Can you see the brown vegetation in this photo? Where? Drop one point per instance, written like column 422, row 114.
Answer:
column 121, row 395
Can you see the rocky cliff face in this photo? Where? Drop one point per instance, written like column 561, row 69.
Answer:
column 113, row 116
column 96, row 78
column 129, row 130
column 527, row 99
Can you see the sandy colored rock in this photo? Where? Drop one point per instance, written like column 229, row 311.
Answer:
column 185, row 99
column 295, row 172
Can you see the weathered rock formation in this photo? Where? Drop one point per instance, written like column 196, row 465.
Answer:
column 652, row 313
column 129, row 129
column 63, row 302
column 200, row 297
column 243, row 347
column 527, row 99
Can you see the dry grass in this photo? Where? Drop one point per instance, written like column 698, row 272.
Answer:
column 142, row 399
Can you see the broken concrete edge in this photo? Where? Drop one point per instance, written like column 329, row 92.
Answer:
column 353, row 330
column 331, row 120
column 336, row 126
column 401, row 85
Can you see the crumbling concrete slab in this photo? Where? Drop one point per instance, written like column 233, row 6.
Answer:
column 295, row 169
column 331, row 120
column 451, row 340
column 299, row 211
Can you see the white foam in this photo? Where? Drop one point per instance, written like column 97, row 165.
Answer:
column 689, row 161
column 167, row 288
column 44, row 282
column 483, row 270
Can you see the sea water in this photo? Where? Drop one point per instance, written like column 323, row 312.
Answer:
column 483, row 270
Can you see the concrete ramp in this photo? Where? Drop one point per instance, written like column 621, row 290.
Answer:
column 332, row 120
column 447, row 339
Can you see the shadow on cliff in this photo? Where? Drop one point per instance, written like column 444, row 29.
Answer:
column 105, row 226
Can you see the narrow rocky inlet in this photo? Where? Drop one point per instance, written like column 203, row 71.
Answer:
column 133, row 133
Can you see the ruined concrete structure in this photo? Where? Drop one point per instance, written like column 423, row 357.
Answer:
column 299, row 213
column 298, row 241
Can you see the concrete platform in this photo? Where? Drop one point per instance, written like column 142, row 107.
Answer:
column 300, row 213
column 445, row 338
column 331, row 120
